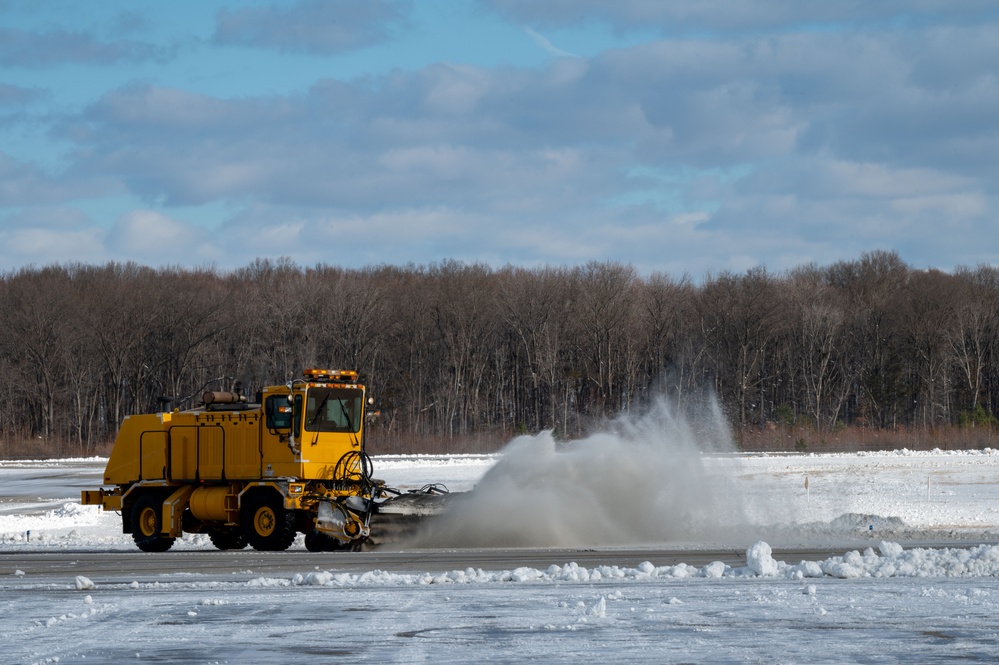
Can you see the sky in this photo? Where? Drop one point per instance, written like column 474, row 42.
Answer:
column 688, row 137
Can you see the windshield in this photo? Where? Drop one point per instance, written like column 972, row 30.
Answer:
column 333, row 410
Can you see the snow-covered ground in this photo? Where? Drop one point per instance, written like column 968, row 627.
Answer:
column 884, row 599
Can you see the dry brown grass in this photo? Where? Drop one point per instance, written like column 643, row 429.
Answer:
column 383, row 443
column 852, row 439
column 22, row 448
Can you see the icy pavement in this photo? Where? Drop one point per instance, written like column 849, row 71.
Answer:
column 879, row 602
column 766, row 612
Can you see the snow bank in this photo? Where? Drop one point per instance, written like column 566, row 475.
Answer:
column 68, row 515
column 412, row 461
column 46, row 463
column 891, row 560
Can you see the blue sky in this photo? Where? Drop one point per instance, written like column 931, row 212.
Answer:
column 693, row 136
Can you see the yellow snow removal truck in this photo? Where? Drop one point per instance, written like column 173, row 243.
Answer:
column 257, row 473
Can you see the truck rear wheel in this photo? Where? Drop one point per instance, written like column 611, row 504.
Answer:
column 266, row 523
column 147, row 522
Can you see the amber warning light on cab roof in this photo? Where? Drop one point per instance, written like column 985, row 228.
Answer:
column 335, row 375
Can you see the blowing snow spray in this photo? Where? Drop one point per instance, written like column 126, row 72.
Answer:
column 638, row 479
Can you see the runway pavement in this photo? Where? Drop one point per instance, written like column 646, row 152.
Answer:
column 119, row 566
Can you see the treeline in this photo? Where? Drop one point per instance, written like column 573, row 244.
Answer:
column 462, row 355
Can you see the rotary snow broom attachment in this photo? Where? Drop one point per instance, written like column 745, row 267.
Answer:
column 358, row 524
column 398, row 519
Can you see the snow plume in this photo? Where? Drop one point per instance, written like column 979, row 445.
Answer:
column 639, row 480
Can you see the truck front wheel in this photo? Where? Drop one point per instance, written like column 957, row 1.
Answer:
column 147, row 522
column 266, row 523
column 316, row 541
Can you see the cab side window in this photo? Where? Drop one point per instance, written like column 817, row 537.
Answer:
column 279, row 412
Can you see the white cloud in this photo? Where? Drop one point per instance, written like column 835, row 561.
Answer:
column 150, row 235
column 311, row 26
column 546, row 44
column 726, row 17
column 952, row 207
column 43, row 246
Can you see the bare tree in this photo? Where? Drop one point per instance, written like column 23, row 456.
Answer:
column 820, row 339
column 973, row 336
column 535, row 306
column 927, row 324
column 35, row 333
column 604, row 309
column 740, row 318
column 462, row 301
column 871, row 288
column 666, row 312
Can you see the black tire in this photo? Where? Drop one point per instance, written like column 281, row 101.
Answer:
column 317, row 541
column 147, row 522
column 268, row 527
column 228, row 538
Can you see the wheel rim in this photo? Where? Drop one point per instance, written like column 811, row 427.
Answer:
column 148, row 522
column 264, row 521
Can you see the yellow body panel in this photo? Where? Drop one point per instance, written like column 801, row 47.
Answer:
column 173, row 510
column 221, row 446
column 210, row 453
